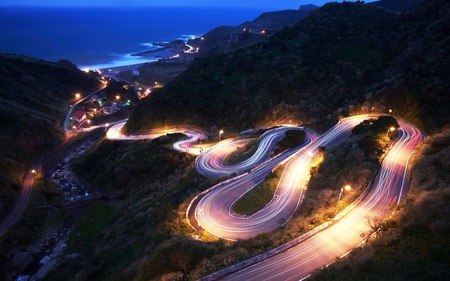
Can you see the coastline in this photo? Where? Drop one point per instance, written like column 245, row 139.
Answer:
column 165, row 51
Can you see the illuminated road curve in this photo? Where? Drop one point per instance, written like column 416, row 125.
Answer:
column 214, row 210
column 183, row 145
column 21, row 204
column 211, row 162
column 323, row 248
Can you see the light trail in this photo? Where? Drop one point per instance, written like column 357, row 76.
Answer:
column 211, row 162
column 323, row 247
column 214, row 213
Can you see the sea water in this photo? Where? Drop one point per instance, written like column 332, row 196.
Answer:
column 106, row 37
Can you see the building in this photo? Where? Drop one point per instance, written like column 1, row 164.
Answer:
column 78, row 116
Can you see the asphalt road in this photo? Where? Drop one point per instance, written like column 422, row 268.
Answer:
column 344, row 234
column 214, row 212
column 211, row 162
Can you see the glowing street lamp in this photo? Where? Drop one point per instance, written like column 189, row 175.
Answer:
column 220, row 133
column 347, row 188
column 33, row 172
column 117, row 97
column 89, row 122
column 77, row 95
column 390, row 111
column 391, row 129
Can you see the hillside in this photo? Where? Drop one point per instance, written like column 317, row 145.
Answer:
column 34, row 98
column 395, row 5
column 341, row 59
column 227, row 38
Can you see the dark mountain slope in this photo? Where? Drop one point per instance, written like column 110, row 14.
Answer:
column 339, row 60
column 227, row 38
column 395, row 5
column 305, row 72
column 417, row 83
column 34, row 98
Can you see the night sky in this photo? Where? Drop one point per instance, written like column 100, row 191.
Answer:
column 273, row 4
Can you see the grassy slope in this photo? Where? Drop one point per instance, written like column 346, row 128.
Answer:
column 34, row 98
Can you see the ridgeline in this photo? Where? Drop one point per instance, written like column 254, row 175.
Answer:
column 341, row 59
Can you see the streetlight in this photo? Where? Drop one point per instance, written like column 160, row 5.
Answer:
column 391, row 129
column 220, row 133
column 33, row 172
column 390, row 111
column 347, row 188
column 117, row 97
column 77, row 95
column 89, row 122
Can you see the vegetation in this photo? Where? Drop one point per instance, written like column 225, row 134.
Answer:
column 150, row 237
column 120, row 172
column 95, row 219
column 255, row 199
column 34, row 99
column 292, row 138
column 241, row 153
column 414, row 242
column 352, row 163
column 139, row 216
column 340, row 60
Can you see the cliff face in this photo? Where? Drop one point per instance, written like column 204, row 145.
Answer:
column 339, row 60
column 33, row 101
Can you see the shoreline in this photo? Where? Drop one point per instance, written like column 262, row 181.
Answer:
column 140, row 57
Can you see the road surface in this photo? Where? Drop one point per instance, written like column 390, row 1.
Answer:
column 344, row 234
column 214, row 212
column 211, row 162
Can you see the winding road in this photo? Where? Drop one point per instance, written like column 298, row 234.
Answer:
column 297, row 259
column 211, row 162
column 214, row 212
column 213, row 209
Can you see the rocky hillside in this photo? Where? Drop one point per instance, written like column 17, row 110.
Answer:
column 341, row 59
column 34, row 98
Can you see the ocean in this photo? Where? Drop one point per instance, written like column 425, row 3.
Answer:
column 105, row 37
